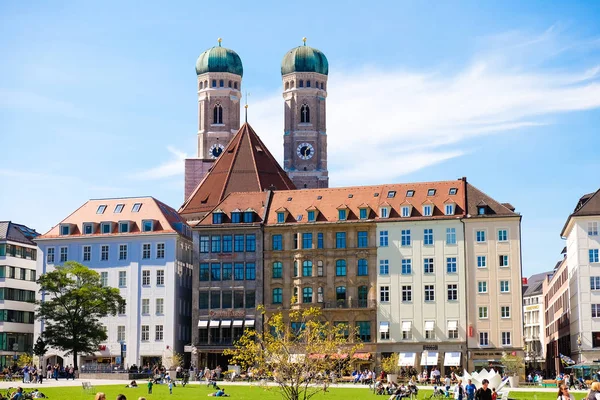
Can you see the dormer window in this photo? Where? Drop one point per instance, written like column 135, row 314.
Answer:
column 364, row 213
column 248, row 217
column 236, row 217
column 384, row 212
column 391, row 194
column 124, row 227
column 342, row 214
column 449, row 209
column 136, row 207
column 431, row 192
column 405, row 211
column 106, row 227
column 88, row 228
column 453, row 191
column 311, row 216
column 101, row 209
column 65, row 230
column 119, row 208
column 427, row 209
column 280, row 217
column 410, row 193
column 481, row 210
column 147, row 225
column 217, row 218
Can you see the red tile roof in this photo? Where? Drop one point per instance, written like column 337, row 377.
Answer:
column 246, row 165
column 240, row 202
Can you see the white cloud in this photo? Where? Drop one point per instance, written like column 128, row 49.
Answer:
column 173, row 167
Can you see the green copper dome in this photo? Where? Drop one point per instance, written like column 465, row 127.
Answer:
column 304, row 59
column 219, row 59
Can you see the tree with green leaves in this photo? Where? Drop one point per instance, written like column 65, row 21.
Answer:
column 73, row 302
column 39, row 348
column 297, row 350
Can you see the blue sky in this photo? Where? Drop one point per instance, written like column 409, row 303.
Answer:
column 98, row 99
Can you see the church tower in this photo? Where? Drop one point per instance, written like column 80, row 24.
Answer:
column 219, row 72
column 304, row 72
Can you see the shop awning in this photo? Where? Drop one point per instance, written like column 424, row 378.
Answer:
column 339, row 356
column 407, row 359
column 452, row 359
column 429, row 358
column 238, row 323
column 316, row 356
column 362, row 356
column 214, row 323
column 452, row 325
column 429, row 325
column 406, row 325
column 384, row 327
column 249, row 323
column 203, row 323
column 226, row 323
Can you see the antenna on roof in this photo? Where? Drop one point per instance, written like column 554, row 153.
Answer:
column 246, row 107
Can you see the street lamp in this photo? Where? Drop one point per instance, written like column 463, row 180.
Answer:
column 15, row 347
column 579, row 346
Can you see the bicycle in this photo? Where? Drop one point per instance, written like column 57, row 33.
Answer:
column 437, row 393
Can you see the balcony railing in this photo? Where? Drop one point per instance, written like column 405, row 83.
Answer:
column 353, row 303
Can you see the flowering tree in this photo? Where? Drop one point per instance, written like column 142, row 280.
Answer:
column 297, row 349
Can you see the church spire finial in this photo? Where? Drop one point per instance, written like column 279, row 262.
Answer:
column 304, row 40
column 246, row 107
column 219, row 40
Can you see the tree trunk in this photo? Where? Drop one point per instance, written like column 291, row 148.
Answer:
column 74, row 360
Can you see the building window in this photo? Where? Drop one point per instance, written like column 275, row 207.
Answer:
column 384, row 211
column 145, row 306
column 238, row 243
column 218, row 114
column 405, row 211
column 251, row 243
column 384, row 267
column 277, row 243
column 363, row 240
column 204, row 272
column 363, row 267
column 158, row 333
column 503, row 260
column 406, row 330
column 449, row 209
column 428, row 265
column 384, row 330
column 505, row 312
column 215, row 244
column 277, row 296
column 482, row 287
column 406, row 293
column 122, row 278
column 87, row 253
column 340, row 267
column 122, row 252
column 593, row 228
column 429, row 333
column 340, row 295
column 427, row 211
column 307, row 268
column 307, row 295
column 145, row 333
column 295, row 275
column 506, row 339
column 483, row 312
column 594, row 282
column 481, row 262
column 203, row 300
column 452, row 292
column 428, row 237
column 504, row 287
column 104, row 279
column 319, row 240
column 160, row 277
column 280, row 217
column 304, row 113
column 88, row 229
column 340, row 240
column 64, row 254
column 238, row 271
column 146, row 249
column 101, row 208
column 363, row 213
column 450, row 235
column 236, row 217
column 145, row 277
column 429, row 293
column 502, row 235
column 384, row 294
column 320, row 270
column 593, row 255
column 451, row 265
column 480, row 236
column 307, row 241
column 383, row 238
column 160, row 250
column 405, row 237
column 123, row 227
column 484, row 339
column 406, row 266
column 595, row 310
column 342, row 215
column 277, row 269
column 226, row 271
column 452, row 333
column 136, row 207
column 160, row 306
column 120, row 333
column 50, row 255
column 311, row 216
column 364, row 330
column 64, row 230
column 204, row 244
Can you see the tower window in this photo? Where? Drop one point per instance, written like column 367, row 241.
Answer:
column 218, row 114
column 235, row 85
column 304, row 113
column 307, row 83
column 317, row 84
column 291, row 84
column 287, row 85
column 321, row 85
column 300, row 83
column 201, row 85
column 229, row 85
column 221, row 83
column 214, row 83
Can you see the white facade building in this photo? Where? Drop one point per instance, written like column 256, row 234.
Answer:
column 144, row 248
column 18, row 255
column 534, row 322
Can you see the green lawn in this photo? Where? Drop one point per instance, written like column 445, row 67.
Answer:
column 161, row 392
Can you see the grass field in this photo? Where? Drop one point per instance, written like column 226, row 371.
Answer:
column 161, row 392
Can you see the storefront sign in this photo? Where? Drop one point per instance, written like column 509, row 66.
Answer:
column 430, row 347
column 486, row 354
column 227, row 313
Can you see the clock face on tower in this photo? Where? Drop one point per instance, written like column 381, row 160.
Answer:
column 216, row 150
column 305, row 151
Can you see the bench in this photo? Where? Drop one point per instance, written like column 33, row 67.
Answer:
column 87, row 387
column 550, row 383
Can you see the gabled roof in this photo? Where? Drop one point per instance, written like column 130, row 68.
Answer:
column 166, row 219
column 246, row 165
column 535, row 283
column 17, row 233
column 588, row 205
column 476, row 198
column 234, row 202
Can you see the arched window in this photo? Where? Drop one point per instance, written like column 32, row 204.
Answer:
column 235, row 85
column 340, row 296
column 319, row 295
column 277, row 296
column 201, row 85
column 340, row 268
column 304, row 113
column 300, row 83
column 277, row 269
column 229, row 85
column 322, row 85
column 363, row 269
column 317, row 84
column 295, row 268
column 320, row 271
column 307, row 268
column 307, row 295
column 291, row 84
column 218, row 114
column 214, row 83
column 221, row 83
column 362, row 296
column 307, row 83
column 205, row 84
column 287, row 85
column 297, row 300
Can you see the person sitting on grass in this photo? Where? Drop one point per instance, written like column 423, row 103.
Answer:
column 18, row 395
column 121, row 397
column 133, row 384
column 100, row 396
column 219, row 393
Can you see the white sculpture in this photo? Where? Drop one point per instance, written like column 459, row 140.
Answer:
column 493, row 377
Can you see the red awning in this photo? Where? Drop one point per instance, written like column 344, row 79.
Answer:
column 338, row 356
column 362, row 356
column 316, row 356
